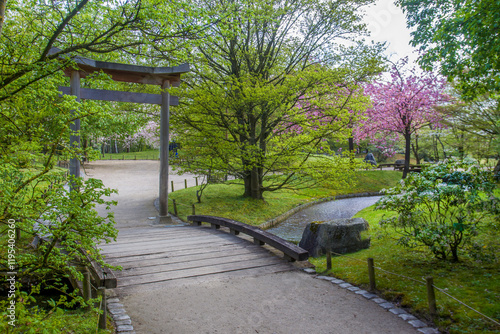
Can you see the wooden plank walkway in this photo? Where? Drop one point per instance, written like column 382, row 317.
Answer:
column 153, row 255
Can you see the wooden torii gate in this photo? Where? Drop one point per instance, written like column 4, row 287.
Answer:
column 162, row 76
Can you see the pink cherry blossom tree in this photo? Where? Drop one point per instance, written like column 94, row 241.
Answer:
column 401, row 107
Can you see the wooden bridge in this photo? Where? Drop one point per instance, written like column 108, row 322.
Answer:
column 166, row 254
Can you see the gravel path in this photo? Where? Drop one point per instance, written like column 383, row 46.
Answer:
column 288, row 303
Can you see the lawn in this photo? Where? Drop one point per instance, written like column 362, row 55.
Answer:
column 144, row 155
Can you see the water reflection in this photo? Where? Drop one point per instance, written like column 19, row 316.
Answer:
column 292, row 228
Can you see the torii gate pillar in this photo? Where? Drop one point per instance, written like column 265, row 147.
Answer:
column 163, row 216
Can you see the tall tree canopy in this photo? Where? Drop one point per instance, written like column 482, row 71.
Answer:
column 35, row 120
column 462, row 36
column 402, row 106
column 276, row 80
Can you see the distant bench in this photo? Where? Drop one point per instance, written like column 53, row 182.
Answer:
column 291, row 251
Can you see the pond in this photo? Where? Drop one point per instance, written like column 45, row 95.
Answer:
column 291, row 229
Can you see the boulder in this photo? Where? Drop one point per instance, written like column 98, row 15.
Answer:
column 400, row 162
column 339, row 235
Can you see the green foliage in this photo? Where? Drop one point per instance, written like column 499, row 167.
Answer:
column 53, row 318
column 35, row 123
column 270, row 87
column 461, row 36
column 62, row 222
column 441, row 207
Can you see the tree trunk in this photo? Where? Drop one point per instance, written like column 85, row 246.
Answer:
column 415, row 150
column 442, row 147
column 255, row 184
column 351, row 148
column 407, row 154
column 3, row 4
column 461, row 149
column 84, row 146
column 247, row 179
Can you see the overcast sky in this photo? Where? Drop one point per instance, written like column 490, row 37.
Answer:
column 387, row 23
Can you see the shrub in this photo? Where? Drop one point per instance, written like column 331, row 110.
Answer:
column 442, row 207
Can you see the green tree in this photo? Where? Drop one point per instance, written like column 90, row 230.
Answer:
column 442, row 207
column 460, row 35
column 476, row 127
column 273, row 84
column 35, row 121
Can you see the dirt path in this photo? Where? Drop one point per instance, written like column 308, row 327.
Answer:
column 137, row 184
column 287, row 303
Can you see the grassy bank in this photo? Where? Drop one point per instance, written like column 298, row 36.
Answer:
column 473, row 281
column 144, row 155
column 226, row 200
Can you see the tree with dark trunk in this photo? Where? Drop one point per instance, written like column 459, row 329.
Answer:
column 402, row 106
column 270, row 86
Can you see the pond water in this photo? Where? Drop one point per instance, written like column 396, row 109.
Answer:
column 291, row 229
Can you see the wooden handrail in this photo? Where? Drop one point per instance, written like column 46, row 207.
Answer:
column 103, row 276
column 291, row 251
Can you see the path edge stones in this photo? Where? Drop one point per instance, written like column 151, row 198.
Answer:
column 416, row 323
column 122, row 322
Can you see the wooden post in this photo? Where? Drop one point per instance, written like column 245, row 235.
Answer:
column 371, row 274
column 175, row 207
column 18, row 234
column 163, row 216
column 87, row 292
column 258, row 242
column 74, row 138
column 196, row 178
column 431, row 297
column 194, row 210
column 172, row 186
column 328, row 259
column 185, row 183
column 123, row 157
column 135, row 156
column 103, row 316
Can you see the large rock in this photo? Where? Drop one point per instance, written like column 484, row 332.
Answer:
column 339, row 235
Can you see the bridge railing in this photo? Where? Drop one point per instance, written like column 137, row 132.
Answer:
column 291, row 251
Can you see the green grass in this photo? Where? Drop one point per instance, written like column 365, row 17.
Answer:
column 144, row 155
column 473, row 281
column 226, row 200
column 61, row 321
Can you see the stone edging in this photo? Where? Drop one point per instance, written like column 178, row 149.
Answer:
column 123, row 324
column 411, row 319
column 275, row 221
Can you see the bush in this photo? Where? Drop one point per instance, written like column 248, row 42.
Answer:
column 441, row 208
column 55, row 225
